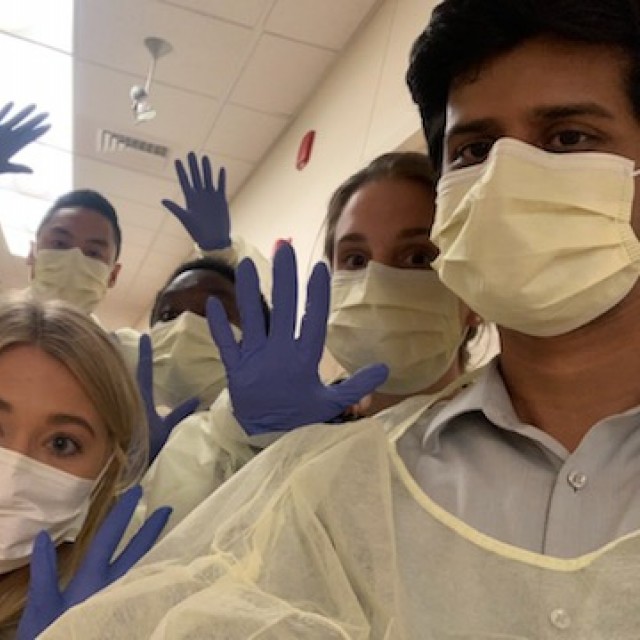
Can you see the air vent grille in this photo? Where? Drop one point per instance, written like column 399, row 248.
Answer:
column 111, row 141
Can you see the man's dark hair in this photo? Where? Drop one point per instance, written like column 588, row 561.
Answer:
column 87, row 199
column 463, row 35
column 208, row 264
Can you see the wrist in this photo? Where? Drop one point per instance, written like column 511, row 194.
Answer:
column 215, row 245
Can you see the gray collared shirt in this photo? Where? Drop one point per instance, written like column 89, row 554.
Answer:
column 516, row 483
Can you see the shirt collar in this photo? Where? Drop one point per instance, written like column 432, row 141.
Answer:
column 488, row 395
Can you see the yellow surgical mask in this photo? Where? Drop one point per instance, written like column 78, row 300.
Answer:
column 186, row 361
column 538, row 242
column 71, row 276
column 404, row 318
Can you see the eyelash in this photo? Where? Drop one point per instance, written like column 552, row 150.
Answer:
column 62, row 436
column 589, row 138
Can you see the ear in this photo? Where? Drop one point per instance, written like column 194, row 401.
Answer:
column 113, row 276
column 473, row 319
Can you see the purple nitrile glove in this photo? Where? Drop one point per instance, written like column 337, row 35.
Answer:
column 16, row 133
column 46, row 601
column 160, row 428
column 273, row 376
column 206, row 216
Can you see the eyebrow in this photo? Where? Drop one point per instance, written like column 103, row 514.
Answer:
column 404, row 234
column 100, row 242
column 413, row 232
column 352, row 237
column 61, row 231
column 57, row 419
column 571, row 110
column 550, row 113
column 60, row 419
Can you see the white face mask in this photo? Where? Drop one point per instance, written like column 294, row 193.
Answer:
column 404, row 318
column 69, row 275
column 37, row 497
column 538, row 242
column 186, row 361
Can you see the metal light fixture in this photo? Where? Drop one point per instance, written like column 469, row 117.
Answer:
column 140, row 105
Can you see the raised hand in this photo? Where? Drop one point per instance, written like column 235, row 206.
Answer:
column 272, row 375
column 17, row 132
column 46, row 601
column 160, row 428
column 206, row 212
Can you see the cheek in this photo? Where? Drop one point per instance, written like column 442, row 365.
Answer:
column 95, row 458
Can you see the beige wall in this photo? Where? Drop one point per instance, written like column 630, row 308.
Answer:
column 362, row 109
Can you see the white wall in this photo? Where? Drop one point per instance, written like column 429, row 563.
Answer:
column 362, row 109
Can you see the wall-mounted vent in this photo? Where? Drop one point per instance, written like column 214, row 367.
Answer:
column 110, row 141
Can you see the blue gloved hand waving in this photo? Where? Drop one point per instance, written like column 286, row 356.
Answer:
column 160, row 428
column 17, row 132
column 46, row 601
column 273, row 376
column 206, row 216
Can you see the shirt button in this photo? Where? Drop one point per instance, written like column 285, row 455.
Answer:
column 577, row 480
column 560, row 619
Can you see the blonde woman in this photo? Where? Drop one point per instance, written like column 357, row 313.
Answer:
column 72, row 438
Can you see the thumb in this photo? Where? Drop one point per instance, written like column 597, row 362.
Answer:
column 181, row 412
column 175, row 209
column 360, row 384
column 43, row 583
column 16, row 168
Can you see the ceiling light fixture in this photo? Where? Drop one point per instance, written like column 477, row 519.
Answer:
column 140, row 105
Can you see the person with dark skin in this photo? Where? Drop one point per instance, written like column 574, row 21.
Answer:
column 186, row 361
column 190, row 286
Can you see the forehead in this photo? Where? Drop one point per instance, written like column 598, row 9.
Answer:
column 81, row 221
column 58, row 387
column 540, row 73
column 199, row 280
column 387, row 206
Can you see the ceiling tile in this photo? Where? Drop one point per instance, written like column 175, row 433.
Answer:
column 256, row 129
column 329, row 23
column 52, row 173
column 131, row 259
column 171, row 227
column 237, row 171
column 165, row 244
column 41, row 21
column 146, row 218
column 247, row 12
column 117, row 182
column 280, row 75
column 207, row 53
column 102, row 101
column 51, row 89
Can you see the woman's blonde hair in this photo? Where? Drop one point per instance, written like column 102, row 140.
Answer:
column 77, row 342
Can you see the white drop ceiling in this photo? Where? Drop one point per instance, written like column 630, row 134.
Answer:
column 239, row 72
